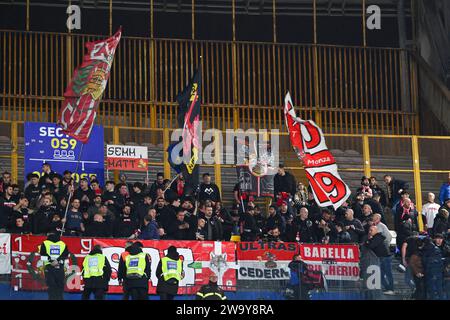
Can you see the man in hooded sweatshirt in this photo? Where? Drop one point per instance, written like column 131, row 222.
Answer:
column 53, row 253
column 169, row 273
column 96, row 274
column 135, row 268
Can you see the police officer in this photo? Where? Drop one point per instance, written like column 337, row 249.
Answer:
column 211, row 291
column 123, row 256
column 169, row 273
column 54, row 252
column 96, row 274
column 136, row 270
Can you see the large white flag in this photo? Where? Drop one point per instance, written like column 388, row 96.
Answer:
column 321, row 170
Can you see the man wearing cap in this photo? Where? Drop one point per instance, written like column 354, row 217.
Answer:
column 135, row 268
column 211, row 291
column 169, row 273
column 96, row 274
column 53, row 253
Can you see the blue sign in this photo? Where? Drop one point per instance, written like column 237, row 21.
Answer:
column 45, row 143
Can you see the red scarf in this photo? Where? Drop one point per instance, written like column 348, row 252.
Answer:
column 405, row 211
column 180, row 187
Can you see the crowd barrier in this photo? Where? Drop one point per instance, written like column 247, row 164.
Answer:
column 246, row 270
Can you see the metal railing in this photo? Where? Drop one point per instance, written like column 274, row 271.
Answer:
column 344, row 89
column 420, row 160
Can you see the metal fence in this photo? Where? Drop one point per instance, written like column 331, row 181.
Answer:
column 348, row 90
column 420, row 160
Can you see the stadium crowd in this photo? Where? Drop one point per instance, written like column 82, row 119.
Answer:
column 162, row 210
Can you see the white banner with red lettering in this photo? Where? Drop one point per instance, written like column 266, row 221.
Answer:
column 127, row 158
column 320, row 166
column 337, row 262
column 5, row 253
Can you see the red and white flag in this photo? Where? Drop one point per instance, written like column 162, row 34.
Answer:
column 83, row 95
column 320, row 166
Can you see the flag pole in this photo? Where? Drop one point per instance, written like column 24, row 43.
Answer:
column 70, row 193
column 176, row 176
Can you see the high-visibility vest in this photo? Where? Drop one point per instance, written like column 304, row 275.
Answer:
column 210, row 294
column 171, row 269
column 93, row 265
column 54, row 249
column 135, row 265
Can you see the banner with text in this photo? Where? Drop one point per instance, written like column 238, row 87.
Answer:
column 337, row 262
column 265, row 260
column 127, row 158
column 200, row 259
column 46, row 143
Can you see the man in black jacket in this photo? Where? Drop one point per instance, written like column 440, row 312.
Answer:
column 136, row 270
column 273, row 220
column 179, row 228
column 110, row 196
column 284, row 182
column 213, row 227
column 394, row 189
column 441, row 222
column 98, row 228
column 47, row 175
column 126, row 225
column 167, row 214
column 84, row 194
column 342, row 236
column 211, row 291
column 43, row 216
column 325, row 227
column 305, row 227
column 225, row 219
column 209, row 190
column 375, row 242
column 353, row 226
column 95, row 277
column 377, row 189
column 159, row 183
column 32, row 191
column 249, row 228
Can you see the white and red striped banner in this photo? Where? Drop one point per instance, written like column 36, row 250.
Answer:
column 320, row 166
column 84, row 92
